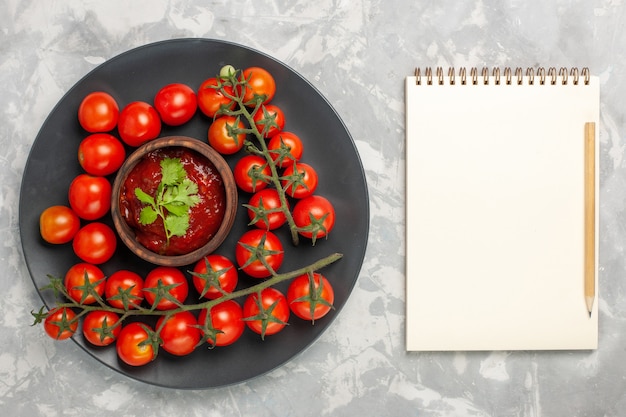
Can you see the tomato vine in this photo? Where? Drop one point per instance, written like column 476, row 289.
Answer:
column 232, row 85
column 260, row 119
column 131, row 309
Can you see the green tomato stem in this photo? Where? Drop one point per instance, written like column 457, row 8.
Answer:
column 275, row 279
column 264, row 151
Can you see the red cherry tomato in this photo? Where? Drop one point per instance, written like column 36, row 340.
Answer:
column 101, row 328
column 60, row 323
column 211, row 99
column 300, row 180
column 165, row 279
column 222, row 138
column 138, row 123
column 226, row 325
column 264, row 209
column 124, row 289
column 95, row 243
column 58, row 224
column 285, row 148
column 176, row 104
column 98, row 112
column 269, row 120
column 179, row 333
column 314, row 216
column 268, row 314
column 101, row 154
column 252, row 173
column 133, row 346
column 259, row 253
column 213, row 275
column 90, row 196
column 260, row 83
column 77, row 279
column 310, row 297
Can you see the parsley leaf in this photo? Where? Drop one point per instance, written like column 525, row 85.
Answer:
column 175, row 195
column 177, row 225
column 147, row 215
column 172, row 171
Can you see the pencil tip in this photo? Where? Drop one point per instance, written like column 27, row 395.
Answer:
column 589, row 302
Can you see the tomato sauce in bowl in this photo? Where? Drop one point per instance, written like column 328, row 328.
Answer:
column 205, row 217
column 211, row 216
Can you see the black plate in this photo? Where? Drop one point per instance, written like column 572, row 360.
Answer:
column 137, row 75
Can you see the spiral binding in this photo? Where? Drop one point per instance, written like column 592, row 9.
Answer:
column 507, row 76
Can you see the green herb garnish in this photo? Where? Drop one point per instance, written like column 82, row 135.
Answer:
column 174, row 196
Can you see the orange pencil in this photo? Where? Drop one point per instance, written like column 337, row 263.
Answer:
column 590, row 215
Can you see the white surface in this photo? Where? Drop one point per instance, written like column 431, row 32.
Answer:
column 357, row 53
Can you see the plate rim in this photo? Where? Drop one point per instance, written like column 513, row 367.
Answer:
column 366, row 209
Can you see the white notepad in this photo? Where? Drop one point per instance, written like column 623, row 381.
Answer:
column 495, row 210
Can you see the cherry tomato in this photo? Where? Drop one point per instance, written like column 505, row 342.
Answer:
column 95, row 243
column 211, row 99
column 98, row 112
column 100, row 327
column 176, row 104
column 226, row 326
column 58, row 224
column 179, row 333
column 138, row 123
column 259, row 83
column 285, row 148
column 252, row 173
column 268, row 314
column 168, row 280
column 124, row 289
column 60, row 323
column 269, row 120
column 264, row 209
column 310, row 297
column 259, row 253
column 101, row 154
column 222, row 138
column 79, row 278
column 212, row 272
column 314, row 216
column 90, row 196
column 133, row 345
column 300, row 180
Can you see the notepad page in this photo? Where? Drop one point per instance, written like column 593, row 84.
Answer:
column 495, row 216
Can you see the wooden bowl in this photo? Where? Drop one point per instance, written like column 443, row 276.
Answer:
column 127, row 234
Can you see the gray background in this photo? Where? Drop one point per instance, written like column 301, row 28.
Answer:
column 357, row 54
